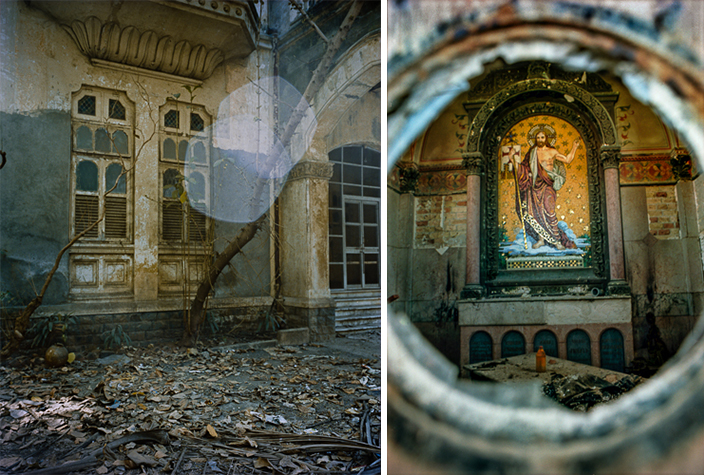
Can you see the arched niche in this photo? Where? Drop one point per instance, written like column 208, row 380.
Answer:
column 493, row 111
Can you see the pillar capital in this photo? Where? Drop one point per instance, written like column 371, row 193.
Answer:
column 610, row 156
column 311, row 169
column 473, row 163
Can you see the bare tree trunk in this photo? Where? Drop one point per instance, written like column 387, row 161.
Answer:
column 197, row 311
column 23, row 321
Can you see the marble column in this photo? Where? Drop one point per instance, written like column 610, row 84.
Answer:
column 473, row 162
column 610, row 156
column 304, row 248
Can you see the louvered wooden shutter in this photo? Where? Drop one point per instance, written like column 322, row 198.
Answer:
column 172, row 221
column 86, row 212
column 197, row 225
column 115, row 217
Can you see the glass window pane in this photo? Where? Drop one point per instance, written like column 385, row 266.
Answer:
column 169, row 149
column 337, row 175
column 335, row 155
column 369, row 213
column 198, row 152
column 336, row 249
column 352, row 236
column 352, row 174
column 371, row 157
column 372, row 269
column 352, row 155
column 116, row 110
column 370, row 236
column 84, row 138
column 372, row 192
column 103, row 142
column 87, row 105
column 354, row 269
column 182, row 150
column 336, row 196
column 172, row 119
column 371, row 176
column 353, row 190
column 336, row 222
column 87, row 176
column 197, row 123
column 196, row 187
column 336, row 276
column 352, row 213
column 112, row 173
column 170, row 180
column 120, row 141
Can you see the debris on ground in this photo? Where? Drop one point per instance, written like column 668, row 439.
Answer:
column 284, row 410
column 580, row 392
column 574, row 385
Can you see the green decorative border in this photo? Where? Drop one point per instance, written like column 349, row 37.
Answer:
column 490, row 266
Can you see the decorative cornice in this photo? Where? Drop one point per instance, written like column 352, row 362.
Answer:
column 610, row 156
column 311, row 169
column 110, row 42
column 409, row 178
column 473, row 163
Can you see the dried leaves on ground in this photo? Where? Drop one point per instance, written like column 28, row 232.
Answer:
column 283, row 410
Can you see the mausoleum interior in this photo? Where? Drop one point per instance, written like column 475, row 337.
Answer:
column 607, row 270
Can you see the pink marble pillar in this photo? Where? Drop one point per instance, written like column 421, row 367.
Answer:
column 473, row 162
column 610, row 160
column 613, row 211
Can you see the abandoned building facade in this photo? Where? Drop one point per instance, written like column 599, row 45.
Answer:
column 162, row 118
column 607, row 266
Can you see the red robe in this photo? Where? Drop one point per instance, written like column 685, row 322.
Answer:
column 538, row 201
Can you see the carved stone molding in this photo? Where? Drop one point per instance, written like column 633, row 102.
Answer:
column 473, row 163
column 571, row 92
column 610, row 156
column 311, row 169
column 409, row 178
column 131, row 47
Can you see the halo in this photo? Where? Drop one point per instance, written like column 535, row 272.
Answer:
column 548, row 129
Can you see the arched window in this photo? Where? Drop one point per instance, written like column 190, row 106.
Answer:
column 354, row 217
column 548, row 341
column 611, row 346
column 84, row 138
column 480, row 348
column 579, row 348
column 513, row 344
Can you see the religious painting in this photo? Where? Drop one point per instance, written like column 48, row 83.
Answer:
column 543, row 208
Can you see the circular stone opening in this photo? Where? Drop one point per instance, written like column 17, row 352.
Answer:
column 444, row 422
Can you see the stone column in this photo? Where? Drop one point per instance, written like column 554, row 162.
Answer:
column 473, row 162
column 610, row 156
column 146, row 176
column 304, row 248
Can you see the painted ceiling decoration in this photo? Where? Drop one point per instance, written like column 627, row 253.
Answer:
column 131, row 47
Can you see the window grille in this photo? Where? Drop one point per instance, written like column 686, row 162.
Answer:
column 116, row 110
column 196, row 123
column 172, row 119
column 87, row 105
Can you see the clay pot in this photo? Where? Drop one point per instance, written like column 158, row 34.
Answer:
column 56, row 355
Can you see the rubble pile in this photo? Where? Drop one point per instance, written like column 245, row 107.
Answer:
column 581, row 392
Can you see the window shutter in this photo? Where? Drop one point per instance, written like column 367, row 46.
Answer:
column 197, row 225
column 86, row 212
column 115, row 226
column 172, row 221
